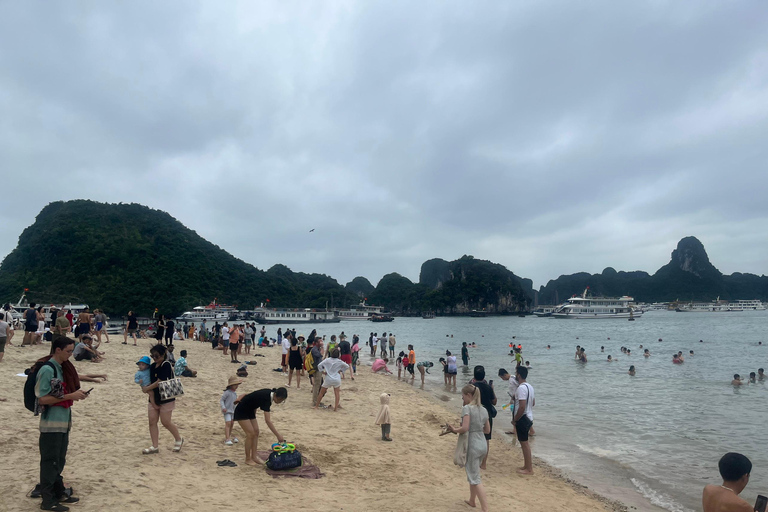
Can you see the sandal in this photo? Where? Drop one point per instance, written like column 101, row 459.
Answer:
column 150, row 450
column 177, row 446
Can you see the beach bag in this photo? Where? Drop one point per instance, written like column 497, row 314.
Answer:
column 282, row 461
column 460, row 454
column 30, row 400
column 171, row 388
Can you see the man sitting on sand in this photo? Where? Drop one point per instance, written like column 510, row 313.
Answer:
column 735, row 469
column 85, row 350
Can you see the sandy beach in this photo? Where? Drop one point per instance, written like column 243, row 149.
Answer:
column 108, row 471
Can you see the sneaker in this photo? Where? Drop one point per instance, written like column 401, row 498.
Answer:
column 235, row 440
column 228, row 442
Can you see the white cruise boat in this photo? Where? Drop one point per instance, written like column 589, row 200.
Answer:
column 360, row 312
column 212, row 312
column 291, row 316
column 746, row 305
column 716, row 306
column 583, row 307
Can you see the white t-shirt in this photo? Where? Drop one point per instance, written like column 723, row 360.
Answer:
column 225, row 333
column 332, row 367
column 286, row 345
column 525, row 392
column 513, row 384
column 375, row 341
column 3, row 328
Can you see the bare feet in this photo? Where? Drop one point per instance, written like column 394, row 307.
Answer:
column 251, row 462
column 259, row 461
column 470, row 504
column 524, row 471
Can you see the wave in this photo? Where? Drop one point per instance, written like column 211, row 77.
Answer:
column 658, row 498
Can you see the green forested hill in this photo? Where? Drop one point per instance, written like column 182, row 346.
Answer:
column 127, row 256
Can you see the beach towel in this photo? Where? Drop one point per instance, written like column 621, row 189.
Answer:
column 306, row 470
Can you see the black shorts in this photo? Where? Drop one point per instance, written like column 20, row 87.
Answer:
column 409, row 368
column 522, row 427
column 233, row 346
column 30, row 328
column 488, row 435
column 87, row 356
column 243, row 413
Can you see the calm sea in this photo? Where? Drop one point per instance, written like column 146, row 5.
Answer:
column 652, row 440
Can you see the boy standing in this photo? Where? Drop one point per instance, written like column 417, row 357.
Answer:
column 524, row 402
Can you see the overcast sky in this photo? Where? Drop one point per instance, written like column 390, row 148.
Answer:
column 550, row 137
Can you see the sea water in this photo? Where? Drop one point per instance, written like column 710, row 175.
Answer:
column 652, row 440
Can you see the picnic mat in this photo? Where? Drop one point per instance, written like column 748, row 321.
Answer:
column 306, row 470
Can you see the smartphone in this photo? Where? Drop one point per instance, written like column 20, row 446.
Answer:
column 89, row 391
column 761, row 503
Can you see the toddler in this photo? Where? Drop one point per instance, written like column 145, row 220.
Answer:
column 227, row 403
column 142, row 375
column 383, row 417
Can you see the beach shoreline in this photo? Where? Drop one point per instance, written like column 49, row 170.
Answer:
column 107, row 469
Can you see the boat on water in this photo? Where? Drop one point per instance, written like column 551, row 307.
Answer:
column 544, row 311
column 584, row 307
column 746, row 305
column 292, row 316
column 212, row 312
column 476, row 313
column 428, row 315
column 362, row 311
column 18, row 309
column 716, row 306
column 381, row 318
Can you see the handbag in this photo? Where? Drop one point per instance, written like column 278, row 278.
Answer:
column 460, row 454
column 171, row 388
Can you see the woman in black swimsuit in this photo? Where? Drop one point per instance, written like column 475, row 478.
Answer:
column 295, row 362
column 245, row 415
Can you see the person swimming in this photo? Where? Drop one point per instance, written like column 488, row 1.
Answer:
column 680, row 356
column 760, row 374
column 602, row 349
column 646, row 353
column 548, row 347
column 676, row 359
column 752, row 378
column 690, row 353
column 631, row 371
column 583, row 356
column 736, row 380
column 578, row 352
column 609, row 359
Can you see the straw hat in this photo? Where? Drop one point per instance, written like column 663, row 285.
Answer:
column 234, row 380
column 300, row 337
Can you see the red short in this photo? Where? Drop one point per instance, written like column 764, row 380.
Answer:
column 347, row 358
column 284, row 360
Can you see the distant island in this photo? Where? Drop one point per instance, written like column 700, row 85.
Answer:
column 121, row 257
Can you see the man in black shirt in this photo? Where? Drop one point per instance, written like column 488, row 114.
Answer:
column 488, row 400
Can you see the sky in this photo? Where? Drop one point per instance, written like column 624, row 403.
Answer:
column 551, row 137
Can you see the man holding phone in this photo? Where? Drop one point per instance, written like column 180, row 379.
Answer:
column 55, row 422
column 735, row 469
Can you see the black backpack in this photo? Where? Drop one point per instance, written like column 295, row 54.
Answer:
column 30, row 400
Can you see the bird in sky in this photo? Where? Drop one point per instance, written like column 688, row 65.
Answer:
column 311, row 230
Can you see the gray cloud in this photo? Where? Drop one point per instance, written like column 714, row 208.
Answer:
column 552, row 137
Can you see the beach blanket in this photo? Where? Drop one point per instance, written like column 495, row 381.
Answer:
column 306, row 470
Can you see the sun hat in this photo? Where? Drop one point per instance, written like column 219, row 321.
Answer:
column 234, row 380
column 145, row 360
column 300, row 336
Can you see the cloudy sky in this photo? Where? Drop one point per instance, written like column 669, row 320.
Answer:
column 551, row 137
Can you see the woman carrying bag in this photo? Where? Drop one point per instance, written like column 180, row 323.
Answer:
column 161, row 406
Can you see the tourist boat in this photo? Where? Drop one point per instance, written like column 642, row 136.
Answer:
column 428, row 315
column 716, row 306
column 542, row 311
column 212, row 312
column 583, row 307
column 475, row 313
column 360, row 312
column 294, row 316
column 746, row 305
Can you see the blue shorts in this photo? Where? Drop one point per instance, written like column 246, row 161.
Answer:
column 225, row 343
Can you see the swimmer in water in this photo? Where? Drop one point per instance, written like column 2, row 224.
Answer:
column 583, row 357
column 629, row 352
column 680, row 356
column 646, row 353
column 548, row 347
column 690, row 353
column 527, row 364
column 760, row 374
column 578, row 352
column 632, row 371
column 602, row 349
column 641, row 346
column 609, row 359
column 676, row 359
column 736, row 380
column 752, row 378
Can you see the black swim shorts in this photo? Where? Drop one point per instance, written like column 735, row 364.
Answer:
column 522, row 427
column 488, row 435
column 244, row 413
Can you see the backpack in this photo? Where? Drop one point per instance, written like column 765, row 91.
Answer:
column 309, row 363
column 30, row 400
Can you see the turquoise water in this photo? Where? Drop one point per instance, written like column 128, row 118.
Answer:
column 650, row 439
